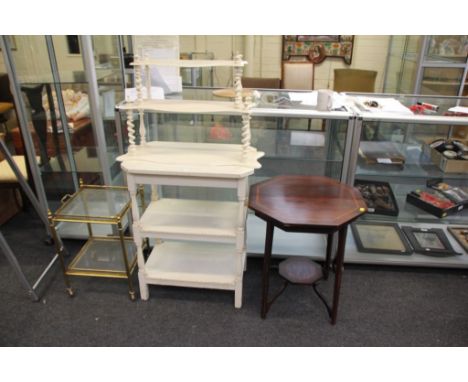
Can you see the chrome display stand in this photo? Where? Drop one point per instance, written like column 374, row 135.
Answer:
column 32, row 289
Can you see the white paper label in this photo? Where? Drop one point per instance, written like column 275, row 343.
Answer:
column 384, row 160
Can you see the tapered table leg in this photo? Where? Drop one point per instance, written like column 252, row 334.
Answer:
column 326, row 269
column 266, row 268
column 339, row 270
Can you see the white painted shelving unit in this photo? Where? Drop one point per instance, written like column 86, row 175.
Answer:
column 198, row 243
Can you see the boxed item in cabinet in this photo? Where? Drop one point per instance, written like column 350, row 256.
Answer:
column 450, row 156
column 457, row 194
column 381, row 153
column 378, row 196
column 434, row 202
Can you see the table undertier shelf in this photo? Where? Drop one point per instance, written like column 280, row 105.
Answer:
column 191, row 159
column 190, row 264
column 190, row 220
column 103, row 257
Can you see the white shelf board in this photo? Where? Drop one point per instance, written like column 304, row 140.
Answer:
column 188, row 63
column 191, row 159
column 183, row 106
column 203, row 265
column 190, row 220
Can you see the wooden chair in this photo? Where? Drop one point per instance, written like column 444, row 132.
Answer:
column 298, row 75
column 354, row 80
column 6, row 101
column 261, row 83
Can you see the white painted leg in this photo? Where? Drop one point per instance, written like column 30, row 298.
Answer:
column 238, row 294
column 144, row 290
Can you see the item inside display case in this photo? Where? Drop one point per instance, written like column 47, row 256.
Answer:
column 381, row 105
column 429, row 241
column 451, row 149
column 458, row 195
column 433, row 201
column 378, row 196
column 385, row 153
column 380, row 238
column 461, row 236
column 450, row 155
column 424, row 108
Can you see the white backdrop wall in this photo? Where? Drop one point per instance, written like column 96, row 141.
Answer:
column 370, row 52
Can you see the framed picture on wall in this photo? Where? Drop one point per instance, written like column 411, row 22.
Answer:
column 73, row 44
column 329, row 45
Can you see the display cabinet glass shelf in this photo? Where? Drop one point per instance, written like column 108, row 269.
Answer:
column 111, row 256
column 411, row 135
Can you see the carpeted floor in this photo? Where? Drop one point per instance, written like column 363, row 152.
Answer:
column 379, row 306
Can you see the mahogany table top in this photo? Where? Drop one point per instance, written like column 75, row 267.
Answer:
column 302, row 201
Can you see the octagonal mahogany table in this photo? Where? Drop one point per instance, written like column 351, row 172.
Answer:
column 311, row 204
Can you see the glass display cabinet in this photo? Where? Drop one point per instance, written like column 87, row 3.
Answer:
column 432, row 65
column 73, row 81
column 443, row 66
column 401, row 169
column 402, row 64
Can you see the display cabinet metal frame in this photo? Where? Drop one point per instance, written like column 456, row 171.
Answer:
column 7, row 250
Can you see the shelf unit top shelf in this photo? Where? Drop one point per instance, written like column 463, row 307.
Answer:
column 191, row 159
column 188, row 63
column 183, row 106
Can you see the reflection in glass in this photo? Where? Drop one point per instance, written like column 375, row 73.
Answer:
column 448, row 48
column 441, row 81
